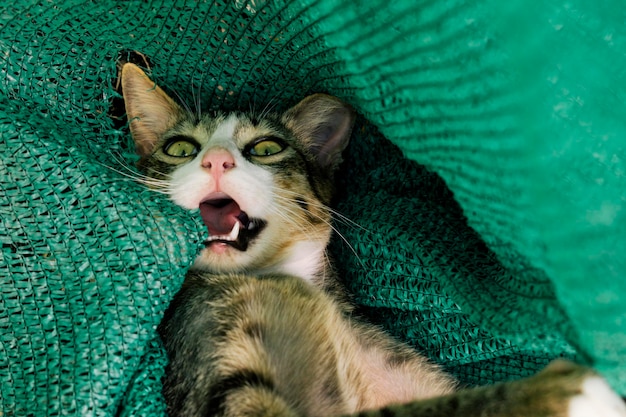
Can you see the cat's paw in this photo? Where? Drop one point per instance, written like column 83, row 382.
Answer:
column 597, row 399
column 573, row 390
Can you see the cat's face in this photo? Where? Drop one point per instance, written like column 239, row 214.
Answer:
column 261, row 184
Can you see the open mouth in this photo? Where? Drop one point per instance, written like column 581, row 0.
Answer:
column 227, row 223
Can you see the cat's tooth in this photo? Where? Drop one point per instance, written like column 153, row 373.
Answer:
column 234, row 234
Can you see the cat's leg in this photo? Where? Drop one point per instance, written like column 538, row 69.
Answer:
column 251, row 399
column 563, row 389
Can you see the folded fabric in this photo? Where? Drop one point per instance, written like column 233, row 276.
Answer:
column 482, row 191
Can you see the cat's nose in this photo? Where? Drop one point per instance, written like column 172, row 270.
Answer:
column 218, row 161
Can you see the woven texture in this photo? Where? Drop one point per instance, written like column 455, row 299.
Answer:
column 486, row 180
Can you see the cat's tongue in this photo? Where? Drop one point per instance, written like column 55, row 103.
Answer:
column 220, row 215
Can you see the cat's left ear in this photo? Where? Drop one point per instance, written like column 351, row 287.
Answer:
column 325, row 123
column 150, row 111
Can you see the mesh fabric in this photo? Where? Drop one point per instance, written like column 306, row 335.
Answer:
column 485, row 180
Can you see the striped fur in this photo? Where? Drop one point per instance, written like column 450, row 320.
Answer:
column 261, row 325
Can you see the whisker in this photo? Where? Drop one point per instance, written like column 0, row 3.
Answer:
column 119, row 159
column 299, row 221
column 159, row 173
column 197, row 94
column 252, row 106
column 336, row 214
column 183, row 102
column 299, row 215
column 345, row 240
column 269, row 107
column 335, row 229
column 198, row 100
column 154, row 184
column 131, row 176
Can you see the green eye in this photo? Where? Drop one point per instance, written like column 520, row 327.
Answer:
column 180, row 148
column 266, row 147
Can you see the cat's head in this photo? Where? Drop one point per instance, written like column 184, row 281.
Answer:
column 261, row 183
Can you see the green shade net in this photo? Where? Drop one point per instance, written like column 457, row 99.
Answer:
column 485, row 185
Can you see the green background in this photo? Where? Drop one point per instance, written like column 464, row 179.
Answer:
column 486, row 180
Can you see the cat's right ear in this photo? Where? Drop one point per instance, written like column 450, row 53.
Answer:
column 324, row 124
column 150, row 111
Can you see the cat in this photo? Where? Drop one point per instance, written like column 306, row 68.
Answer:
column 261, row 325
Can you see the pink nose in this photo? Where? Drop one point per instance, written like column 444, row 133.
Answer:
column 218, row 161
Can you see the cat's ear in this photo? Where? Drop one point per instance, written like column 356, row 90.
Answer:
column 324, row 122
column 150, row 111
